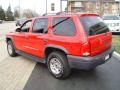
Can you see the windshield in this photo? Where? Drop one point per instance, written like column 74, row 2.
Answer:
column 93, row 25
column 113, row 17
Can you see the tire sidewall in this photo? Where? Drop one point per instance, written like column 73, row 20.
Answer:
column 64, row 65
column 13, row 50
column 55, row 56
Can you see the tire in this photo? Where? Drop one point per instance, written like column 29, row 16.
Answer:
column 11, row 49
column 58, row 66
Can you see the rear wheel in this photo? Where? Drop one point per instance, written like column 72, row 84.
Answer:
column 11, row 49
column 58, row 65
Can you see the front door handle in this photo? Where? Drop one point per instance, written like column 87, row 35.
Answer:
column 45, row 40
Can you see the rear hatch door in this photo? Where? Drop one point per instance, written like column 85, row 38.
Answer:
column 98, row 34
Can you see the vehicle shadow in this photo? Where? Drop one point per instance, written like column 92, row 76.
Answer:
column 41, row 79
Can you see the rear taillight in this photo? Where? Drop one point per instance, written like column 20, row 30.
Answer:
column 85, row 49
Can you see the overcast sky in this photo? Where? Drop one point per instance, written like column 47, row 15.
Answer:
column 38, row 5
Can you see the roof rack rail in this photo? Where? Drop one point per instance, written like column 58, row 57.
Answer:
column 65, row 12
column 58, row 13
column 46, row 14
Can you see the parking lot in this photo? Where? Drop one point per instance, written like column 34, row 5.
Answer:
column 20, row 73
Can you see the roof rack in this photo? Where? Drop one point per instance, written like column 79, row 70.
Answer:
column 58, row 13
column 47, row 14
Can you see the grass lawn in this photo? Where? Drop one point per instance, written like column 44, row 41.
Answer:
column 116, row 43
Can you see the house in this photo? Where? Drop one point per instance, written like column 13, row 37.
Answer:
column 95, row 6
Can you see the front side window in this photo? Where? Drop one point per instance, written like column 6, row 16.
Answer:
column 26, row 26
column 63, row 26
column 40, row 25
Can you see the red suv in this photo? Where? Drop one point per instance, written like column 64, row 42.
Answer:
column 63, row 42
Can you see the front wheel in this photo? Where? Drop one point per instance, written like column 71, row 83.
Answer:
column 11, row 49
column 58, row 65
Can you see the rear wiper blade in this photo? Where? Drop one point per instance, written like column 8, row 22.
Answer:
column 99, row 27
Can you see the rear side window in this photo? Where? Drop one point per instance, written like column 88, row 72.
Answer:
column 93, row 25
column 63, row 26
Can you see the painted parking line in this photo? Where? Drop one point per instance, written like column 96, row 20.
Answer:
column 116, row 55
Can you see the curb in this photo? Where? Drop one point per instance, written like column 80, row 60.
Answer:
column 116, row 55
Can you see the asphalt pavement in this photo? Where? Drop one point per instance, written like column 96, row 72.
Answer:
column 104, row 77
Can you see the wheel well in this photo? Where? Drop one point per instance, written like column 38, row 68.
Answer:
column 8, row 39
column 50, row 50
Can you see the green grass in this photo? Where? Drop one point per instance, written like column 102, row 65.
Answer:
column 116, row 43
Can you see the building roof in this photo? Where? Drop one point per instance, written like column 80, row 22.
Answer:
column 97, row 0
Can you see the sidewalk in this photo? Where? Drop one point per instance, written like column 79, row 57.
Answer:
column 14, row 72
column 3, row 50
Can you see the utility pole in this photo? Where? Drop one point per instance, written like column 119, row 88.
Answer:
column 118, row 8
column 60, row 5
column 46, row 6
column 118, row 3
column 101, row 7
column 19, row 8
column 67, row 5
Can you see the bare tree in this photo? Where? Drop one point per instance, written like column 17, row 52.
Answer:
column 101, row 7
column 16, row 13
column 28, row 13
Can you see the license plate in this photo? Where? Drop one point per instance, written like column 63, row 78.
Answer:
column 107, row 57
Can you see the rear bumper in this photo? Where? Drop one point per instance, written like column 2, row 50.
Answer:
column 87, row 63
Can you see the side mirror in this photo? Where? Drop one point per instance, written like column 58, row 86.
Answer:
column 18, row 30
column 19, row 24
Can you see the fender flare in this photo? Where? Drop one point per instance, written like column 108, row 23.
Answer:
column 8, row 37
column 56, row 47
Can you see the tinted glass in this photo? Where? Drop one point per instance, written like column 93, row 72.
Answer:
column 93, row 25
column 63, row 26
column 40, row 25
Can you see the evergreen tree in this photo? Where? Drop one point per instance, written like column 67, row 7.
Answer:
column 16, row 13
column 2, row 13
column 9, row 14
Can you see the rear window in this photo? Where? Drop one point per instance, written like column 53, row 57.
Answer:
column 93, row 25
